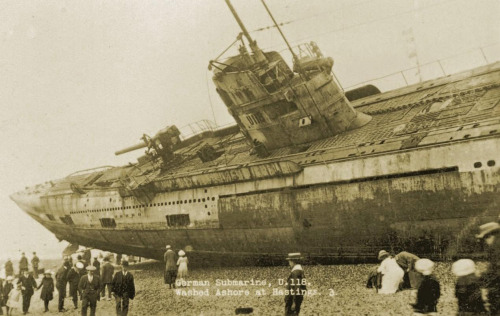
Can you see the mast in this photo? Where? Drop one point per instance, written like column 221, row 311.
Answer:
column 259, row 56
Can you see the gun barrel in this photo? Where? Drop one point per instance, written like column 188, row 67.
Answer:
column 131, row 148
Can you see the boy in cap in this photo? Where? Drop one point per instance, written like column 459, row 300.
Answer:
column 428, row 291
column 467, row 288
column 489, row 232
column 295, row 285
column 90, row 287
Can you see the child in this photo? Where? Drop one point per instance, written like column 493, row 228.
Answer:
column 7, row 287
column 47, row 286
column 14, row 300
column 428, row 291
column 467, row 289
column 183, row 269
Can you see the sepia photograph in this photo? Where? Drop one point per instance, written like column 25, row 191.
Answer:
column 264, row 157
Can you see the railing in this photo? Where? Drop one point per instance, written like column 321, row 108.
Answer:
column 434, row 69
column 199, row 127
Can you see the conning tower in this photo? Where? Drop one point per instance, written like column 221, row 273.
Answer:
column 276, row 106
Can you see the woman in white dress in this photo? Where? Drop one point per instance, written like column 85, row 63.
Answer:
column 392, row 274
column 182, row 262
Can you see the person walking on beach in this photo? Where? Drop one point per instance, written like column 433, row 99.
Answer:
column 428, row 291
column 490, row 233
column 61, row 281
column 296, row 285
column 74, row 275
column 14, row 299
column 468, row 288
column 28, row 286
column 107, row 277
column 23, row 264
column 35, row 261
column 47, row 286
column 182, row 262
column 89, row 287
column 6, row 288
column 123, row 289
column 170, row 267
column 9, row 268
column 406, row 261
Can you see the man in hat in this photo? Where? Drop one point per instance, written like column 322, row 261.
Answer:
column 28, row 286
column 61, row 281
column 123, row 289
column 89, row 287
column 489, row 232
column 74, row 275
column 9, row 268
column 170, row 267
column 87, row 256
column 295, row 285
column 23, row 264
column 35, row 261
column 407, row 261
column 107, row 277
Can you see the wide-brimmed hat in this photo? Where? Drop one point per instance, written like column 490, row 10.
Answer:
column 382, row 254
column 168, row 247
column 424, row 266
column 79, row 265
column 487, row 229
column 91, row 268
column 463, row 267
column 294, row 256
column 182, row 253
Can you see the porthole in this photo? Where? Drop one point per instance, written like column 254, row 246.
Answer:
column 208, row 213
column 185, row 201
column 169, row 203
column 478, row 164
column 206, row 206
column 181, row 201
column 490, row 163
column 203, row 199
column 213, row 199
column 199, row 200
column 205, row 190
column 190, row 201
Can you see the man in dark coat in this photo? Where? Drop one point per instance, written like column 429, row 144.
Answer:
column 296, row 285
column 407, row 261
column 74, row 276
column 170, row 267
column 89, row 287
column 107, row 277
column 23, row 264
column 490, row 233
column 97, row 266
column 9, row 268
column 35, row 261
column 87, row 256
column 429, row 289
column 123, row 289
column 28, row 286
column 61, row 281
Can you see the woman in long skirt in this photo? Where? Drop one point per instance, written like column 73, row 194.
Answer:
column 182, row 262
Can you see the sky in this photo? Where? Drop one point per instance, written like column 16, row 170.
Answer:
column 80, row 79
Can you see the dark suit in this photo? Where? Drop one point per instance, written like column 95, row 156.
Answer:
column 28, row 289
column 295, row 287
column 73, row 280
column 90, row 293
column 124, row 289
column 9, row 269
column 23, row 265
column 61, row 281
column 170, row 268
column 107, row 278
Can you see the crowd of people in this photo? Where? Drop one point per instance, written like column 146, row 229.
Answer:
column 87, row 281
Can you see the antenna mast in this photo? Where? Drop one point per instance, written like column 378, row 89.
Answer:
column 253, row 44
